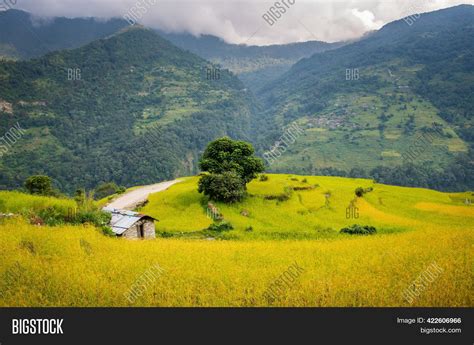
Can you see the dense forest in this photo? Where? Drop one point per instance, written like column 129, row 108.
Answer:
column 140, row 110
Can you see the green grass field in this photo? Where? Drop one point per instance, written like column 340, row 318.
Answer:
column 319, row 212
column 20, row 203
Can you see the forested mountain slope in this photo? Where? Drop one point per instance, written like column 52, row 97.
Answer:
column 366, row 104
column 140, row 111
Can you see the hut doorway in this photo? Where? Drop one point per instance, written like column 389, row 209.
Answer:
column 141, row 230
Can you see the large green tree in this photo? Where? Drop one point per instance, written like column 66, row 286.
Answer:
column 231, row 165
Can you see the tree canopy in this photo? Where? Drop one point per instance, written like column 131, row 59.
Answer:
column 226, row 155
column 231, row 165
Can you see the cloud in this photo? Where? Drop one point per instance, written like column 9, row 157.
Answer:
column 368, row 19
column 241, row 21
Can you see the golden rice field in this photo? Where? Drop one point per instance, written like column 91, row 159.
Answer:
column 78, row 266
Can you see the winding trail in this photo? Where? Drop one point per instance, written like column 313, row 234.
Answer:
column 130, row 200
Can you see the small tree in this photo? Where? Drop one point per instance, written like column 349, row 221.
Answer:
column 231, row 164
column 39, row 185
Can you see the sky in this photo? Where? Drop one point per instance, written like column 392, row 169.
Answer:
column 245, row 22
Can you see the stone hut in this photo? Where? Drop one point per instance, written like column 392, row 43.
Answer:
column 132, row 225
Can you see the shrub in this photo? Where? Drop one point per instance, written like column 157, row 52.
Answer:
column 52, row 216
column 35, row 220
column 165, row 234
column 221, row 226
column 296, row 188
column 106, row 189
column 107, row 231
column 359, row 230
column 322, row 230
column 96, row 217
column 279, row 197
column 227, row 187
column 305, row 180
column 359, row 192
column 263, row 178
column 249, row 229
column 40, row 185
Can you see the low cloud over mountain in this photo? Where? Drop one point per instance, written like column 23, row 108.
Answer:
column 242, row 21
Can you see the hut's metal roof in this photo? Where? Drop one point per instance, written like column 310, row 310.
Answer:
column 122, row 220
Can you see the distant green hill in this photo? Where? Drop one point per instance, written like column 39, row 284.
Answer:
column 364, row 105
column 142, row 111
column 22, row 37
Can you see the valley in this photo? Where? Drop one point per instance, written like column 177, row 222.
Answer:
column 361, row 104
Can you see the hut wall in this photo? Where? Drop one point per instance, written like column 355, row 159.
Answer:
column 134, row 231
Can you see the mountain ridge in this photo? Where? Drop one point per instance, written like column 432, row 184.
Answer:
column 21, row 38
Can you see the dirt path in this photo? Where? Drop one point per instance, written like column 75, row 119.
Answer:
column 130, row 200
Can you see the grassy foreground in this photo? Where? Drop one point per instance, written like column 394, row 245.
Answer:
column 78, row 266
